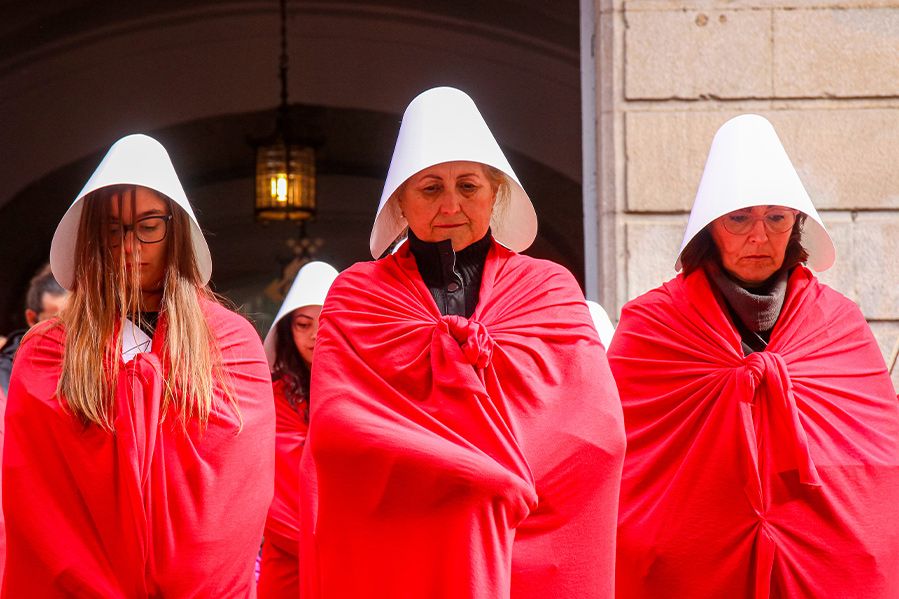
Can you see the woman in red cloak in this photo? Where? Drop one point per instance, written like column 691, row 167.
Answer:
column 139, row 450
column 465, row 437
column 2, row 524
column 762, row 426
column 289, row 347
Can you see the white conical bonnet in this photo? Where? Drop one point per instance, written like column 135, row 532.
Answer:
column 443, row 125
column 309, row 288
column 748, row 166
column 601, row 321
column 133, row 160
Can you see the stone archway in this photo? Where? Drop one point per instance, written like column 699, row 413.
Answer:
column 201, row 76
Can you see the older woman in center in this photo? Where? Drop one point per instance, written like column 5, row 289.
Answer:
column 762, row 426
column 465, row 437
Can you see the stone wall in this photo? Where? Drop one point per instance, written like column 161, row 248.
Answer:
column 825, row 72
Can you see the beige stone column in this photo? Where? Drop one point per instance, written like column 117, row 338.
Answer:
column 825, row 72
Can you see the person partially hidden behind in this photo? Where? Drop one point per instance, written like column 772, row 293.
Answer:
column 45, row 299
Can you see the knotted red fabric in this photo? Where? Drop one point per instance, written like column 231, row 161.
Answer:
column 771, row 475
column 280, row 576
column 453, row 457
column 149, row 510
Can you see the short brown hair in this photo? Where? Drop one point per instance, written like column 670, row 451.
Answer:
column 42, row 282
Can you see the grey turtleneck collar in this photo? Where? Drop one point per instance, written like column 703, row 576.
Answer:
column 755, row 308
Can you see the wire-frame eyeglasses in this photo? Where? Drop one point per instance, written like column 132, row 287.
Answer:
column 776, row 221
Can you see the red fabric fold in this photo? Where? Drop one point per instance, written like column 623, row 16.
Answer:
column 279, row 576
column 148, row 510
column 769, row 369
column 453, row 457
column 472, row 336
column 2, row 522
column 771, row 475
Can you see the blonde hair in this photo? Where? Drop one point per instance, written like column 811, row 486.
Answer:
column 503, row 190
column 105, row 293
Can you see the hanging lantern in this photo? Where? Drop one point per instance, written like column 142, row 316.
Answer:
column 285, row 171
column 285, row 182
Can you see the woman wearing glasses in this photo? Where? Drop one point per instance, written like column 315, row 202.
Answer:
column 762, row 426
column 139, row 453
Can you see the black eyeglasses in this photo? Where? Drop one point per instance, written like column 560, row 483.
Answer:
column 149, row 229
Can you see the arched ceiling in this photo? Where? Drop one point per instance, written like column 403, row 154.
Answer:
column 26, row 27
column 202, row 77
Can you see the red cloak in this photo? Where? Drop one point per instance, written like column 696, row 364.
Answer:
column 2, row 523
column 772, row 475
column 148, row 510
column 453, row 457
column 280, row 576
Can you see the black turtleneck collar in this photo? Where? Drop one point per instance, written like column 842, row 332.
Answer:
column 453, row 278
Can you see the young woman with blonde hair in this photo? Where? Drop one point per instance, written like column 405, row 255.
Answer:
column 140, row 424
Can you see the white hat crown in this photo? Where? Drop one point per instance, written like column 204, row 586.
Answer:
column 748, row 166
column 444, row 125
column 309, row 288
column 133, row 160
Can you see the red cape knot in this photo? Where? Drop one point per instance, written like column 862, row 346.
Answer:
column 473, row 338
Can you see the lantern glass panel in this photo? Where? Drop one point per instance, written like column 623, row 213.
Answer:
column 285, row 190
